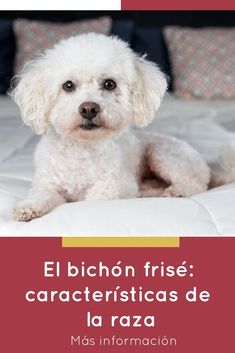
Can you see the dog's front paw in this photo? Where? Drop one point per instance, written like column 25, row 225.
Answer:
column 172, row 191
column 25, row 213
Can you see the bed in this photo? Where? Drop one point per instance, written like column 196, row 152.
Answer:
column 206, row 125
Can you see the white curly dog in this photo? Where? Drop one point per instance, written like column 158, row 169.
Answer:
column 83, row 96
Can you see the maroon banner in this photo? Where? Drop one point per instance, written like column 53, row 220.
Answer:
column 203, row 271
column 177, row 5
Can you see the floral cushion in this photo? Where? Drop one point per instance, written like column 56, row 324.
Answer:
column 203, row 61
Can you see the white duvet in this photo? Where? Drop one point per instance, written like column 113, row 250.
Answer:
column 206, row 125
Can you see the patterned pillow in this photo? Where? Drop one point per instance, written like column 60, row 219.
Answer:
column 203, row 61
column 33, row 37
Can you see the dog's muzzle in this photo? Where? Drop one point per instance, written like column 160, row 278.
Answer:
column 89, row 110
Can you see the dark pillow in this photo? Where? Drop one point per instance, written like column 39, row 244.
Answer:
column 7, row 51
column 151, row 41
column 123, row 29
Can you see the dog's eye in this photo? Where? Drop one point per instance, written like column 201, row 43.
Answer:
column 69, row 86
column 109, row 85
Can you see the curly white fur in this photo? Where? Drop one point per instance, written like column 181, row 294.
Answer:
column 227, row 161
column 111, row 161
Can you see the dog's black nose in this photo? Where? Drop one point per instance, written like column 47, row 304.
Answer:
column 89, row 110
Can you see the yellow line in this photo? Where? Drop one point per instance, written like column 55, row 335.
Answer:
column 123, row 242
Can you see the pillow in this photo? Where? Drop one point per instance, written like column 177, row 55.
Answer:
column 151, row 41
column 33, row 37
column 7, row 50
column 203, row 61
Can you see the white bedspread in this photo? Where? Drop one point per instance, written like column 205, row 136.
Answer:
column 206, row 125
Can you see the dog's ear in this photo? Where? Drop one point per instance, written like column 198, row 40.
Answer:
column 32, row 96
column 147, row 92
